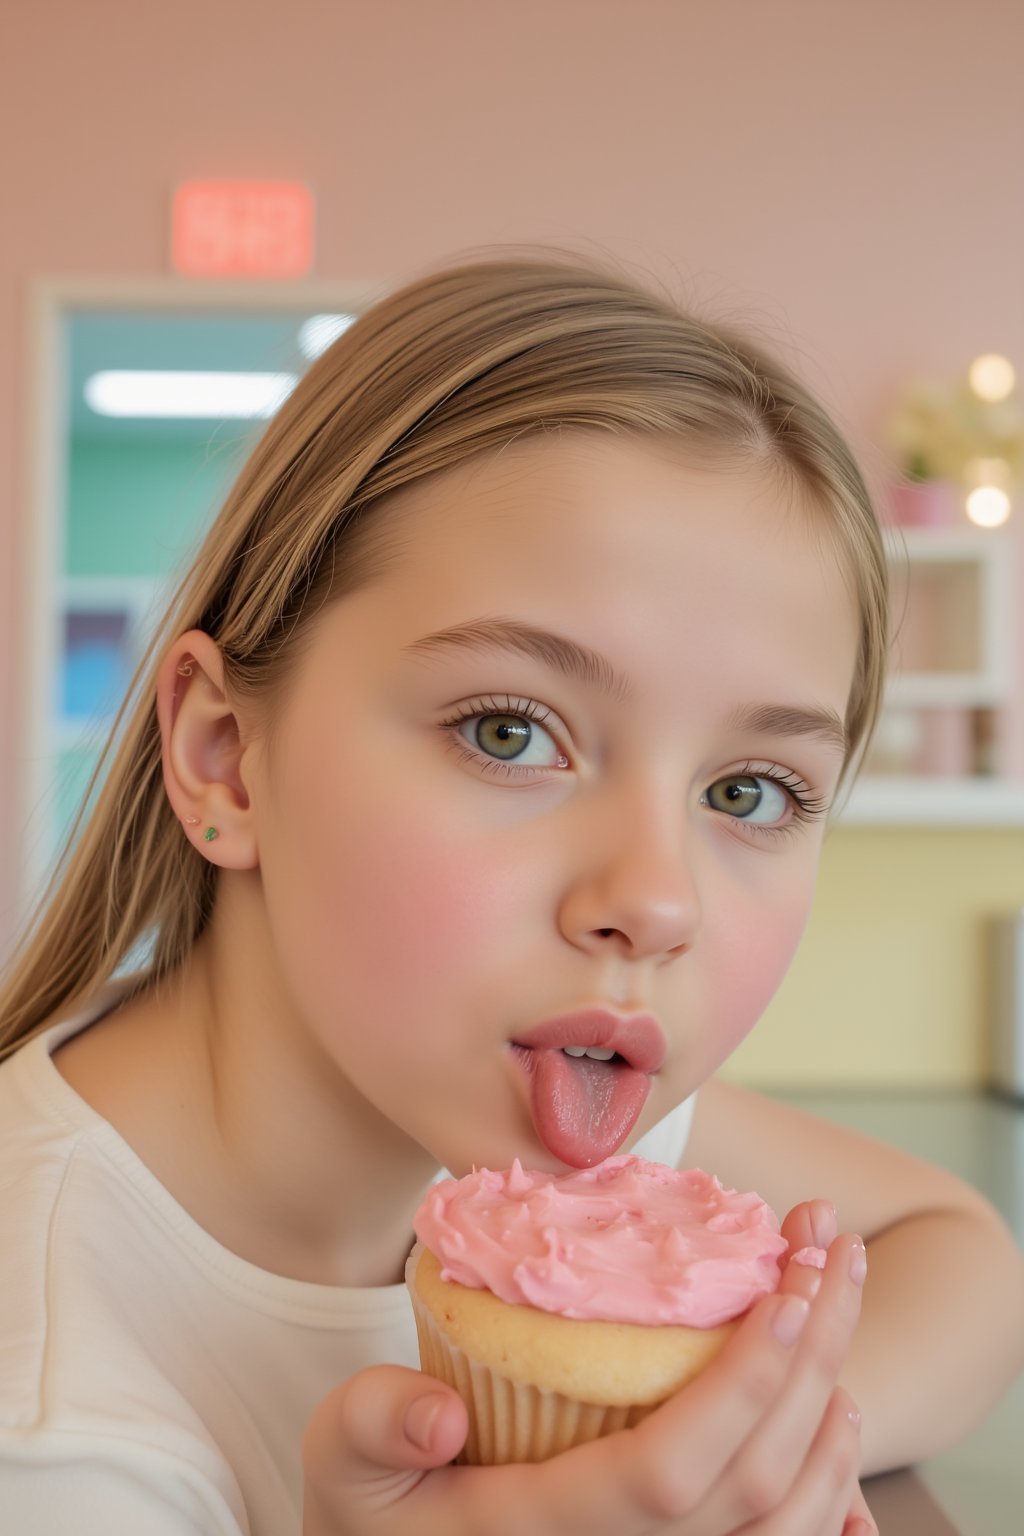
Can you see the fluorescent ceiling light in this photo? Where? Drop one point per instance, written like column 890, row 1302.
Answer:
column 317, row 333
column 155, row 394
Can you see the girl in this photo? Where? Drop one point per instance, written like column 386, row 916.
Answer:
column 515, row 680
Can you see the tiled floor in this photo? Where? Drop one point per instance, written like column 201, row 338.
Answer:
column 981, row 1138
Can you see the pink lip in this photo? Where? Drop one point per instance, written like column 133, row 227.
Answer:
column 637, row 1037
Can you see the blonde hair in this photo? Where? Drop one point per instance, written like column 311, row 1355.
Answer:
column 459, row 362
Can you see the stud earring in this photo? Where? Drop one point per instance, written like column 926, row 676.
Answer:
column 210, row 834
column 185, row 670
column 192, row 821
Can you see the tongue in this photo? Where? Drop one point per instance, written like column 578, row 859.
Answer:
column 583, row 1109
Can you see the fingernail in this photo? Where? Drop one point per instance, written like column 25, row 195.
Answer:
column 853, row 1414
column 824, row 1225
column 788, row 1322
column 858, row 1264
column 419, row 1419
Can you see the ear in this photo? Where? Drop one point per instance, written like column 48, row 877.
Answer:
column 203, row 753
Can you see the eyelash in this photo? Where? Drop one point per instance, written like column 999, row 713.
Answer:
column 807, row 806
column 524, row 709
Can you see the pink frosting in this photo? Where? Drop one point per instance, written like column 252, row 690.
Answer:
column 625, row 1241
column 814, row 1258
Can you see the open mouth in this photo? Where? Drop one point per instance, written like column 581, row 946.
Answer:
column 584, row 1101
column 595, row 1052
column 589, row 1075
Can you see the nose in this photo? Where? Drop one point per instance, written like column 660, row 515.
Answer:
column 638, row 891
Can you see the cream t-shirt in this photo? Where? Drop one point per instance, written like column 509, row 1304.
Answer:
column 151, row 1381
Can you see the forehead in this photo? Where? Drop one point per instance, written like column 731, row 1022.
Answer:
column 583, row 490
column 692, row 579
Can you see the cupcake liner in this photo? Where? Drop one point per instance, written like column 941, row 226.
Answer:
column 511, row 1421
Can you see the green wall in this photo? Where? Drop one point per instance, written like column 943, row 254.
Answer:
column 138, row 508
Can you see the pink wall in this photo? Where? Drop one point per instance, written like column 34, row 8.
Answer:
column 846, row 177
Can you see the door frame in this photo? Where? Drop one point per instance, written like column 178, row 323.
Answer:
column 51, row 302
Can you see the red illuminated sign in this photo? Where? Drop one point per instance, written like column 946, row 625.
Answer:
column 242, row 229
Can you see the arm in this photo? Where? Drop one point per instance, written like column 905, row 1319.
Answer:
column 941, row 1334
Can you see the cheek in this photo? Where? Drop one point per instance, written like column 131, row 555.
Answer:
column 420, row 897
column 751, row 960
column 403, row 901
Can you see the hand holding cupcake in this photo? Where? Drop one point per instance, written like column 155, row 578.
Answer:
column 562, row 1309
column 761, row 1439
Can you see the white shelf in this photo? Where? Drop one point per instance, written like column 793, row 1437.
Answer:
column 948, row 690
column 963, row 545
column 879, row 800
column 973, row 668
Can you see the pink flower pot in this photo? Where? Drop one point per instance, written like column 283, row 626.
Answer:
column 923, row 504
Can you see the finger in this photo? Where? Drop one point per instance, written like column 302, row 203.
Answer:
column 811, row 1224
column 664, row 1468
column 374, row 1437
column 776, row 1448
column 859, row 1520
column 819, row 1502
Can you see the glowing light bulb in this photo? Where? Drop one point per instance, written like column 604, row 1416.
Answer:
column 988, row 506
column 991, row 376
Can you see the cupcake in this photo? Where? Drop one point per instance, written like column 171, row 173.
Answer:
column 564, row 1308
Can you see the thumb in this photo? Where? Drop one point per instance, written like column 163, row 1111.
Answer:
column 371, row 1440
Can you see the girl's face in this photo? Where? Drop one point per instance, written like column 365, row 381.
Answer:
column 572, row 751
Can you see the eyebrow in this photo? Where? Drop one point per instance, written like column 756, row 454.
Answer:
column 570, row 658
column 587, row 666
column 791, row 720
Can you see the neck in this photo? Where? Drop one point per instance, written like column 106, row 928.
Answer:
column 238, row 1110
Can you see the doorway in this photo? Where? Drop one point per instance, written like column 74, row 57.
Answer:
column 132, row 453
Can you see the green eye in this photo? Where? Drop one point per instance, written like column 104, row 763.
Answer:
column 748, row 797
column 501, row 736
column 510, row 737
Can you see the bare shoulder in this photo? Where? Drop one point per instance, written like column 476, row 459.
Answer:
column 752, row 1141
